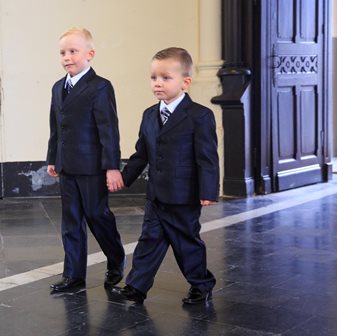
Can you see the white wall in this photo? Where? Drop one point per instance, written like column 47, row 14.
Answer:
column 127, row 33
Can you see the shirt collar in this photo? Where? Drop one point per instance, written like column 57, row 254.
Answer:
column 173, row 105
column 77, row 77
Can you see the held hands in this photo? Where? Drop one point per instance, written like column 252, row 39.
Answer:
column 114, row 180
column 206, row 202
column 51, row 171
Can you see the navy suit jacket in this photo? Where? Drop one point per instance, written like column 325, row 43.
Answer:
column 182, row 155
column 84, row 136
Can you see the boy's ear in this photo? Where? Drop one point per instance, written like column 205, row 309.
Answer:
column 91, row 54
column 187, row 82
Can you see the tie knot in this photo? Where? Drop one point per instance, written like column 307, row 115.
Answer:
column 69, row 85
column 165, row 114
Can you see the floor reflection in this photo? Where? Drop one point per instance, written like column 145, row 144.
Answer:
column 276, row 272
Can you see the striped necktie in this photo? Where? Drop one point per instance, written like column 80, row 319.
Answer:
column 69, row 85
column 165, row 114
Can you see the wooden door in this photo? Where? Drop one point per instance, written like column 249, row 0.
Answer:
column 298, row 111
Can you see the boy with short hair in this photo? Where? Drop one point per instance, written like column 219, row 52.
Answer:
column 83, row 150
column 177, row 138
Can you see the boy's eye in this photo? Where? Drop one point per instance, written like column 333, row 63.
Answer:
column 71, row 52
column 153, row 77
column 166, row 78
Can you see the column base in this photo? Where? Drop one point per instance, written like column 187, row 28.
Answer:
column 238, row 187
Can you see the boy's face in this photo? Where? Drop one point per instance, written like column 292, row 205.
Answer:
column 75, row 53
column 167, row 79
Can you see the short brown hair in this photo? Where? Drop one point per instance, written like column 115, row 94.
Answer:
column 80, row 31
column 179, row 54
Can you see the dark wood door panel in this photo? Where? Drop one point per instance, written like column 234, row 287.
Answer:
column 297, row 20
column 297, row 126
column 297, row 110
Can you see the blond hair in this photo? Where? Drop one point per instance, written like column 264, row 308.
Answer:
column 85, row 33
column 179, row 54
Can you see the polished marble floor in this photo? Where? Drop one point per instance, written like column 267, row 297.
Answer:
column 274, row 257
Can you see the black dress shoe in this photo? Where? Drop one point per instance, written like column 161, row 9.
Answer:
column 196, row 296
column 132, row 294
column 67, row 283
column 112, row 278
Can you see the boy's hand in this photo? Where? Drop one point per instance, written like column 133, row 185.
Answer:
column 51, row 171
column 206, row 202
column 114, row 180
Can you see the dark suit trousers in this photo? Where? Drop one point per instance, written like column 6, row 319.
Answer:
column 178, row 226
column 85, row 201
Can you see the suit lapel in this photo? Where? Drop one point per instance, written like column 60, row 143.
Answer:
column 153, row 120
column 177, row 116
column 80, row 86
column 58, row 92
